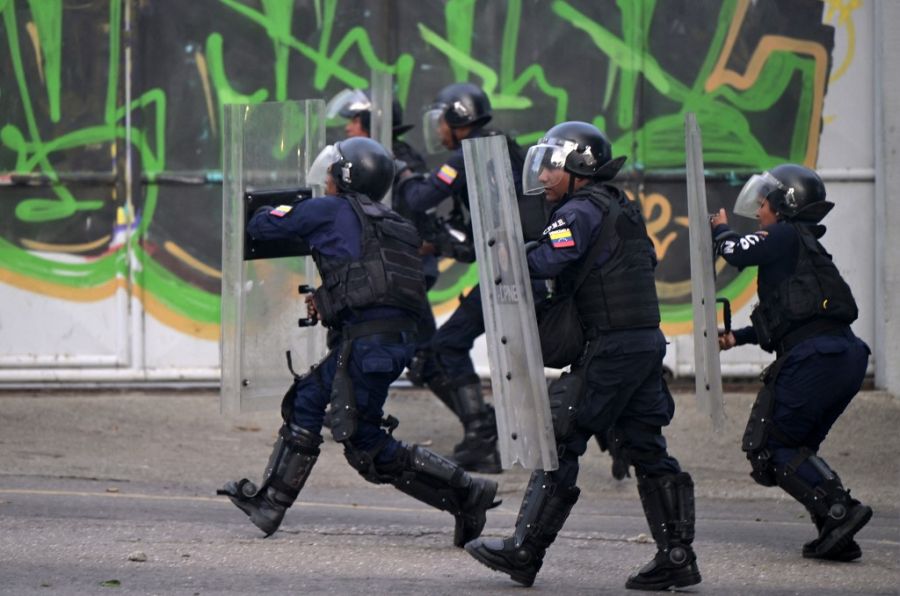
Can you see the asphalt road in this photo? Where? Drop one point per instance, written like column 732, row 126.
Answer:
column 115, row 493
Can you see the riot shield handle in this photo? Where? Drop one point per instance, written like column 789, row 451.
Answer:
column 726, row 313
column 308, row 321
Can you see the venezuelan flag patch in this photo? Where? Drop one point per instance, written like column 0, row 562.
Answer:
column 562, row 238
column 280, row 211
column 447, row 174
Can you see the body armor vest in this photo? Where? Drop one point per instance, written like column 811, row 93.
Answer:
column 814, row 293
column 388, row 272
column 621, row 294
column 533, row 210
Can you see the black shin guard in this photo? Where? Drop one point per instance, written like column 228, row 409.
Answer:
column 478, row 450
column 436, row 481
column 668, row 504
column 544, row 510
column 293, row 456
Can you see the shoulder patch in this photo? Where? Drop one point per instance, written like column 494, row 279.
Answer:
column 447, row 174
column 562, row 238
column 558, row 223
column 280, row 211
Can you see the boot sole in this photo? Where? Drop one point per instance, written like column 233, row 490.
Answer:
column 488, row 561
column 678, row 582
column 833, row 544
column 266, row 526
column 845, row 555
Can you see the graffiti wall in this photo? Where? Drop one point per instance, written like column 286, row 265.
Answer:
column 111, row 121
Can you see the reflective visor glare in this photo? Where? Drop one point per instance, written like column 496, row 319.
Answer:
column 548, row 159
column 348, row 100
column 318, row 171
column 431, row 131
column 752, row 194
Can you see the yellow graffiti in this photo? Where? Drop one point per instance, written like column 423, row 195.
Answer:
column 66, row 248
column 844, row 10
column 36, row 44
column 768, row 45
column 157, row 309
column 47, row 288
column 167, row 316
column 207, row 91
column 191, row 261
column 657, row 211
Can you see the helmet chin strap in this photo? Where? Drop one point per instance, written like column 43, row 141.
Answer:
column 571, row 188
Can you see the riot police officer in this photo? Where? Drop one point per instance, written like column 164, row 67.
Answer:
column 804, row 314
column 595, row 228
column 372, row 290
column 460, row 112
column 356, row 106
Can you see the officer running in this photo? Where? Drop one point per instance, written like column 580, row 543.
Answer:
column 460, row 111
column 621, row 361
column 356, row 106
column 804, row 314
column 371, row 293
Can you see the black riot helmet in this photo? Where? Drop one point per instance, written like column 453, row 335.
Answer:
column 801, row 194
column 794, row 192
column 351, row 103
column 578, row 148
column 358, row 164
column 459, row 104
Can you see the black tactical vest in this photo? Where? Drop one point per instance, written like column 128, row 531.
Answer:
column 621, row 294
column 813, row 295
column 533, row 211
column 388, row 272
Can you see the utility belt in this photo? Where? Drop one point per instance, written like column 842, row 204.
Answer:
column 344, row 413
column 812, row 329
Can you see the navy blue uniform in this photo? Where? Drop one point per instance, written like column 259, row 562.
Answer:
column 625, row 388
column 330, row 226
column 820, row 375
column 453, row 341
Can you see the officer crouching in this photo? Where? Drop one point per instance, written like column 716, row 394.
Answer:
column 804, row 314
column 372, row 292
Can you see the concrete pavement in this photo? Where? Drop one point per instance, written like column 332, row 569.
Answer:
column 115, row 491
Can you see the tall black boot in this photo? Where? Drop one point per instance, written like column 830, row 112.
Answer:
column 293, row 456
column 669, row 507
column 441, row 386
column 837, row 516
column 544, row 510
column 850, row 552
column 437, row 481
column 478, row 450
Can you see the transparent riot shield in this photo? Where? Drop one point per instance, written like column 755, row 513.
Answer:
column 381, row 121
column 268, row 149
column 524, row 426
column 707, row 368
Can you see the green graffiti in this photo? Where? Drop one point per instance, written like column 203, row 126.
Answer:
column 459, row 16
column 724, row 113
column 505, row 89
column 48, row 21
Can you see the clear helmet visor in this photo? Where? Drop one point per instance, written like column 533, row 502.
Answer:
column 347, row 103
column 431, row 130
column 318, row 171
column 754, row 193
column 544, row 167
